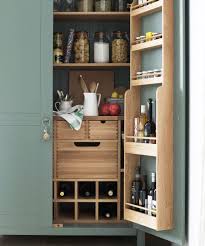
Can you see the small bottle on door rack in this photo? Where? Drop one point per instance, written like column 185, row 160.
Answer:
column 136, row 186
column 152, row 195
column 143, row 192
column 141, row 124
column 150, row 127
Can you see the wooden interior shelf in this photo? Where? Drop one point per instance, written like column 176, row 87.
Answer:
column 154, row 44
column 152, row 7
column 149, row 81
column 91, row 65
column 141, row 149
column 92, row 16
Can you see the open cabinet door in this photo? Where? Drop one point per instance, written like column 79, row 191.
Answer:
column 25, row 112
column 166, row 87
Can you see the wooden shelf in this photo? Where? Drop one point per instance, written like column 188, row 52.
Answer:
column 154, row 44
column 91, row 65
column 151, row 8
column 142, row 219
column 141, row 149
column 150, row 81
column 139, row 207
column 90, row 16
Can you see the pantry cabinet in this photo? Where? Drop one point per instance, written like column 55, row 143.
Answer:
column 33, row 168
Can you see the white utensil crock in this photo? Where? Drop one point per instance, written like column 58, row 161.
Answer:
column 91, row 104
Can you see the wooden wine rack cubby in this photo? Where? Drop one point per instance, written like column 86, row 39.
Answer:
column 92, row 155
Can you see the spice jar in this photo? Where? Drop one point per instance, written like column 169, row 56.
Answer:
column 85, row 5
column 103, row 5
column 58, row 47
column 81, row 47
column 120, row 5
column 119, row 48
column 101, row 48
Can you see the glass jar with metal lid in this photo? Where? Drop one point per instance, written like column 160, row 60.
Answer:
column 85, row 5
column 103, row 5
column 81, row 47
column 120, row 5
column 101, row 48
column 56, row 5
column 119, row 48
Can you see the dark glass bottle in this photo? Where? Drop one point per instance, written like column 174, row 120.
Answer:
column 111, row 189
column 152, row 193
column 143, row 192
column 65, row 189
column 150, row 127
column 136, row 186
column 86, row 190
column 107, row 211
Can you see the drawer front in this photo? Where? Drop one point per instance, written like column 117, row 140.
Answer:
column 103, row 130
column 87, row 160
column 63, row 131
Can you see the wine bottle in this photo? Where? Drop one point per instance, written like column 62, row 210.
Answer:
column 150, row 127
column 65, row 189
column 107, row 211
column 143, row 192
column 136, row 186
column 86, row 190
column 110, row 189
column 152, row 192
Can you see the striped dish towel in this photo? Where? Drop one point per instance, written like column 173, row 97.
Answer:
column 74, row 117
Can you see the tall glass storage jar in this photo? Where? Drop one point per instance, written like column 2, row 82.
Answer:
column 85, row 5
column 101, row 48
column 103, row 5
column 120, row 5
column 119, row 48
column 81, row 47
column 56, row 5
column 68, row 5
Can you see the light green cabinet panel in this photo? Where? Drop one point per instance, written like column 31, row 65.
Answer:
column 25, row 99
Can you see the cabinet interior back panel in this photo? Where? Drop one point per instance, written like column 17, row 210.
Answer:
column 121, row 77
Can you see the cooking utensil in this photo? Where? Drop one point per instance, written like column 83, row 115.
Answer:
column 92, row 87
column 83, row 84
column 96, row 88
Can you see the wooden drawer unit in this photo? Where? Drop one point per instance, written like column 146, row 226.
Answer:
column 63, row 131
column 86, row 160
column 103, row 130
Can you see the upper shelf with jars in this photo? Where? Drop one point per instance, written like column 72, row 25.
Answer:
column 106, row 10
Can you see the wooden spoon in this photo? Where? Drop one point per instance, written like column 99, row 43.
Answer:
column 83, row 84
column 92, row 87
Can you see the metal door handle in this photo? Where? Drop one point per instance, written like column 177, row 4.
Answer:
column 46, row 129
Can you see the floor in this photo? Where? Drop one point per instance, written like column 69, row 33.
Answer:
column 67, row 241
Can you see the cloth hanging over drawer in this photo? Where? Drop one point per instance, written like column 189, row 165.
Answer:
column 74, row 117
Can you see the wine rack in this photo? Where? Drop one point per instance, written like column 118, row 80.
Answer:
column 87, row 171
column 86, row 208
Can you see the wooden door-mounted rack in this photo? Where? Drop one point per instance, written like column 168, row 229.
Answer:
column 162, row 150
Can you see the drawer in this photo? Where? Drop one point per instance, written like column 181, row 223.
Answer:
column 103, row 130
column 63, row 131
column 87, row 160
